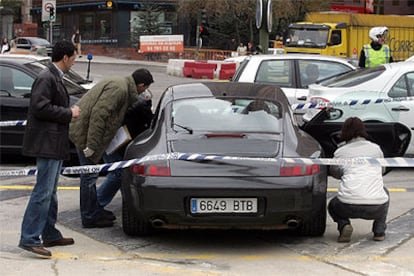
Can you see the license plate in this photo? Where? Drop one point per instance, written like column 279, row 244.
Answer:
column 223, row 205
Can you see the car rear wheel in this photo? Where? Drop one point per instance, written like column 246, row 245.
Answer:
column 316, row 225
column 133, row 223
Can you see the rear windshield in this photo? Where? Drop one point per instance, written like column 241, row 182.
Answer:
column 354, row 78
column 227, row 114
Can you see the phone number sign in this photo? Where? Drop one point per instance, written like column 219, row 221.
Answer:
column 161, row 43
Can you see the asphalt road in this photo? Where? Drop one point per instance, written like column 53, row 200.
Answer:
column 173, row 252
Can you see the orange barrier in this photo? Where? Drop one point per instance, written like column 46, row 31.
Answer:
column 227, row 70
column 203, row 69
column 188, row 69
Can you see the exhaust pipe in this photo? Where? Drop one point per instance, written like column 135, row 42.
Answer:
column 157, row 223
column 292, row 223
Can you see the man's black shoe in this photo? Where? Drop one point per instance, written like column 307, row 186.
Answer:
column 40, row 250
column 108, row 215
column 101, row 223
column 59, row 242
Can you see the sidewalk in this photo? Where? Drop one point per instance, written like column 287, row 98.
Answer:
column 111, row 60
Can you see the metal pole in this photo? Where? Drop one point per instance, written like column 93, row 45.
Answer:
column 263, row 31
column 50, row 32
column 198, row 34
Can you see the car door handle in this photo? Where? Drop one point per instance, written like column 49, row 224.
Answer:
column 400, row 108
column 303, row 98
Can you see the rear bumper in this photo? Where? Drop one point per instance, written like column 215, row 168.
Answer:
column 167, row 204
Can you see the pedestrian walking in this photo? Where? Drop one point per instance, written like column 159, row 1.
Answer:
column 76, row 40
column 361, row 191
column 376, row 52
column 103, row 113
column 5, row 46
column 46, row 138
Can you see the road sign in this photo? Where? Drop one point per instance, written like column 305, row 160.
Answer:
column 46, row 6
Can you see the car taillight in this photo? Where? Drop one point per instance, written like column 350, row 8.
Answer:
column 151, row 169
column 299, row 170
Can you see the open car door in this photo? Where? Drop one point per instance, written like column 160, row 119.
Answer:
column 393, row 137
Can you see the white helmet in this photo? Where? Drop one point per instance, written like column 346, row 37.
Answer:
column 374, row 32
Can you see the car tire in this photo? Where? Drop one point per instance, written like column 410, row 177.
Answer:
column 133, row 223
column 316, row 225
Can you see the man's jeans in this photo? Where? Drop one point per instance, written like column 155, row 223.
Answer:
column 41, row 212
column 342, row 212
column 93, row 200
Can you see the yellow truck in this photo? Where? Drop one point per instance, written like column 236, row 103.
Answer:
column 344, row 34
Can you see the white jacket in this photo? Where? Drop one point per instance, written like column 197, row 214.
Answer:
column 360, row 184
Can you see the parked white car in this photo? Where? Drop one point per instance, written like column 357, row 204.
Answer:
column 368, row 88
column 291, row 72
column 410, row 58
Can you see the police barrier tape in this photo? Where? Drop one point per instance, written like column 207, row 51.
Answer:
column 13, row 123
column 311, row 105
column 383, row 162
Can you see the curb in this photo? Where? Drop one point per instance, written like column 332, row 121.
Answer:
column 110, row 60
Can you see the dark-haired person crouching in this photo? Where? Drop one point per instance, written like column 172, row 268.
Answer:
column 361, row 191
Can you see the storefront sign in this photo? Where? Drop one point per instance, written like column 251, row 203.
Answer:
column 161, row 43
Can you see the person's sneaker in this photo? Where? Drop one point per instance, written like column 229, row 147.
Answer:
column 100, row 223
column 346, row 233
column 379, row 236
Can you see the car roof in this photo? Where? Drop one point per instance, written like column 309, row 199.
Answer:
column 24, row 56
column 16, row 60
column 33, row 38
column 400, row 64
column 300, row 56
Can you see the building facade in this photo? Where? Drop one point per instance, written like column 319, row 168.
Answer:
column 116, row 23
column 120, row 22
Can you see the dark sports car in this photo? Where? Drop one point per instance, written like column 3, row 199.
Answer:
column 236, row 120
column 229, row 119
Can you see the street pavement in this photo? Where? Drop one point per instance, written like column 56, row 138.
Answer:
column 90, row 255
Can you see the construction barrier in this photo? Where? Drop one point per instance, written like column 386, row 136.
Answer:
column 198, row 69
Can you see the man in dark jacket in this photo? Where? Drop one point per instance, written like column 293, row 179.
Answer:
column 103, row 111
column 46, row 138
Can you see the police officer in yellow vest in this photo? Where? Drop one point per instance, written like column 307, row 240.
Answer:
column 375, row 53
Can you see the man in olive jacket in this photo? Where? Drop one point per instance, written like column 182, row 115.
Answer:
column 46, row 138
column 103, row 111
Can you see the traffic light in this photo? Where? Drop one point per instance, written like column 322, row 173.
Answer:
column 52, row 15
column 203, row 31
column 109, row 4
column 204, row 22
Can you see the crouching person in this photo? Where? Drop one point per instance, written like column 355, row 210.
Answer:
column 361, row 191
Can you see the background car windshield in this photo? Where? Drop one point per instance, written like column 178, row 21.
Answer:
column 40, row 41
column 354, row 78
column 308, row 37
column 226, row 115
